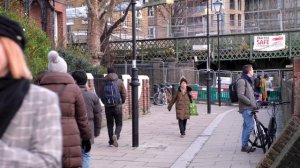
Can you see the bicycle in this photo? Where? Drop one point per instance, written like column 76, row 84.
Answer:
column 260, row 136
column 272, row 127
column 163, row 95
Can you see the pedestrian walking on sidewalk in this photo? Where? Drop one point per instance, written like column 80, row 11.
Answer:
column 257, row 87
column 76, row 130
column 94, row 111
column 113, row 95
column 30, row 128
column 266, row 87
column 182, row 98
column 247, row 103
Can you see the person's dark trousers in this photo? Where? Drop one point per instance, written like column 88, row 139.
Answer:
column 182, row 126
column 114, row 115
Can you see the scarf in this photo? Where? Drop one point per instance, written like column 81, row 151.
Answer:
column 12, row 93
column 245, row 76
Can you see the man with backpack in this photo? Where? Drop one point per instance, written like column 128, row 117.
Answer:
column 113, row 95
column 247, row 103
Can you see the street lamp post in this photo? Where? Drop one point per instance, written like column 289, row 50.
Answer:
column 208, row 61
column 218, row 7
column 134, row 83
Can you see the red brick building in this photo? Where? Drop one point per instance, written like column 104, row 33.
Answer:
column 50, row 16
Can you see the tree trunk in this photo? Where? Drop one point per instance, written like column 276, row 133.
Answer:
column 94, row 34
column 98, row 33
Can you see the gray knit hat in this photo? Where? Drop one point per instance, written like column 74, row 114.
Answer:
column 56, row 63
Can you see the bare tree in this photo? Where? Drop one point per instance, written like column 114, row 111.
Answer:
column 174, row 14
column 99, row 11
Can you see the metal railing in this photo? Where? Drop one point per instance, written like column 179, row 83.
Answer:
column 232, row 47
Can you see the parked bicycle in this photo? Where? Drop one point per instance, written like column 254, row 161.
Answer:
column 263, row 137
column 272, row 127
column 260, row 136
column 163, row 94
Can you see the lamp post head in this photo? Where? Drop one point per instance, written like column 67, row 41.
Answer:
column 169, row 1
column 218, row 6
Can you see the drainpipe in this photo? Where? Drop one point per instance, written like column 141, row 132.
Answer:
column 6, row 4
column 53, row 19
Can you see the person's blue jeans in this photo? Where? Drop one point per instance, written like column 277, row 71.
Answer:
column 247, row 126
column 86, row 157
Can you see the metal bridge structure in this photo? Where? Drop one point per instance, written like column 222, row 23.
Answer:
column 232, row 47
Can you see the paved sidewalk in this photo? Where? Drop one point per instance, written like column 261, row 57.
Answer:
column 212, row 140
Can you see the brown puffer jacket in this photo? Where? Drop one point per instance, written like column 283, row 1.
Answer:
column 74, row 116
column 182, row 102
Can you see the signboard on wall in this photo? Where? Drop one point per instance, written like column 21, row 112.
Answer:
column 269, row 43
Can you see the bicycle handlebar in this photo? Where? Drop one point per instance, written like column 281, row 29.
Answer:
column 277, row 103
column 254, row 111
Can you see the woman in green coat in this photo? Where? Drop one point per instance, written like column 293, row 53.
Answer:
column 182, row 98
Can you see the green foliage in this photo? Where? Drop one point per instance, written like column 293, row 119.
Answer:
column 38, row 44
column 78, row 59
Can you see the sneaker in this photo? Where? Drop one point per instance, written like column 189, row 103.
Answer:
column 115, row 141
column 248, row 149
column 181, row 136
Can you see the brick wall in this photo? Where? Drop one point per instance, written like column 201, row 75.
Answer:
column 144, row 99
column 285, row 151
column 36, row 16
column 36, row 13
column 61, row 22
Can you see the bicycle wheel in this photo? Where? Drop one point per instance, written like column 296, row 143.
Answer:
column 156, row 99
column 272, row 129
column 262, row 136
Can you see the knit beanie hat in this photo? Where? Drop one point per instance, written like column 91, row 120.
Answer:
column 12, row 30
column 56, row 63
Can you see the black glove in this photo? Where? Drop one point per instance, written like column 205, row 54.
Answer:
column 86, row 145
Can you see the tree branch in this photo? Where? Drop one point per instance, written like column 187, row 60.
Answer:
column 91, row 7
column 116, row 24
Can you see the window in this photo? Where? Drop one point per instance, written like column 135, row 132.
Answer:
column 70, row 21
column 139, row 14
column 232, row 4
column 239, row 5
column 298, row 17
column 84, row 21
column 138, row 23
column 232, row 20
column 151, row 32
column 151, row 11
column 240, row 20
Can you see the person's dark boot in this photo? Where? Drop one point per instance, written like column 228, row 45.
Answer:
column 115, row 141
column 248, row 149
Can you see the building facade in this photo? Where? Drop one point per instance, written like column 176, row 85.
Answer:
column 272, row 15
column 50, row 16
column 77, row 24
